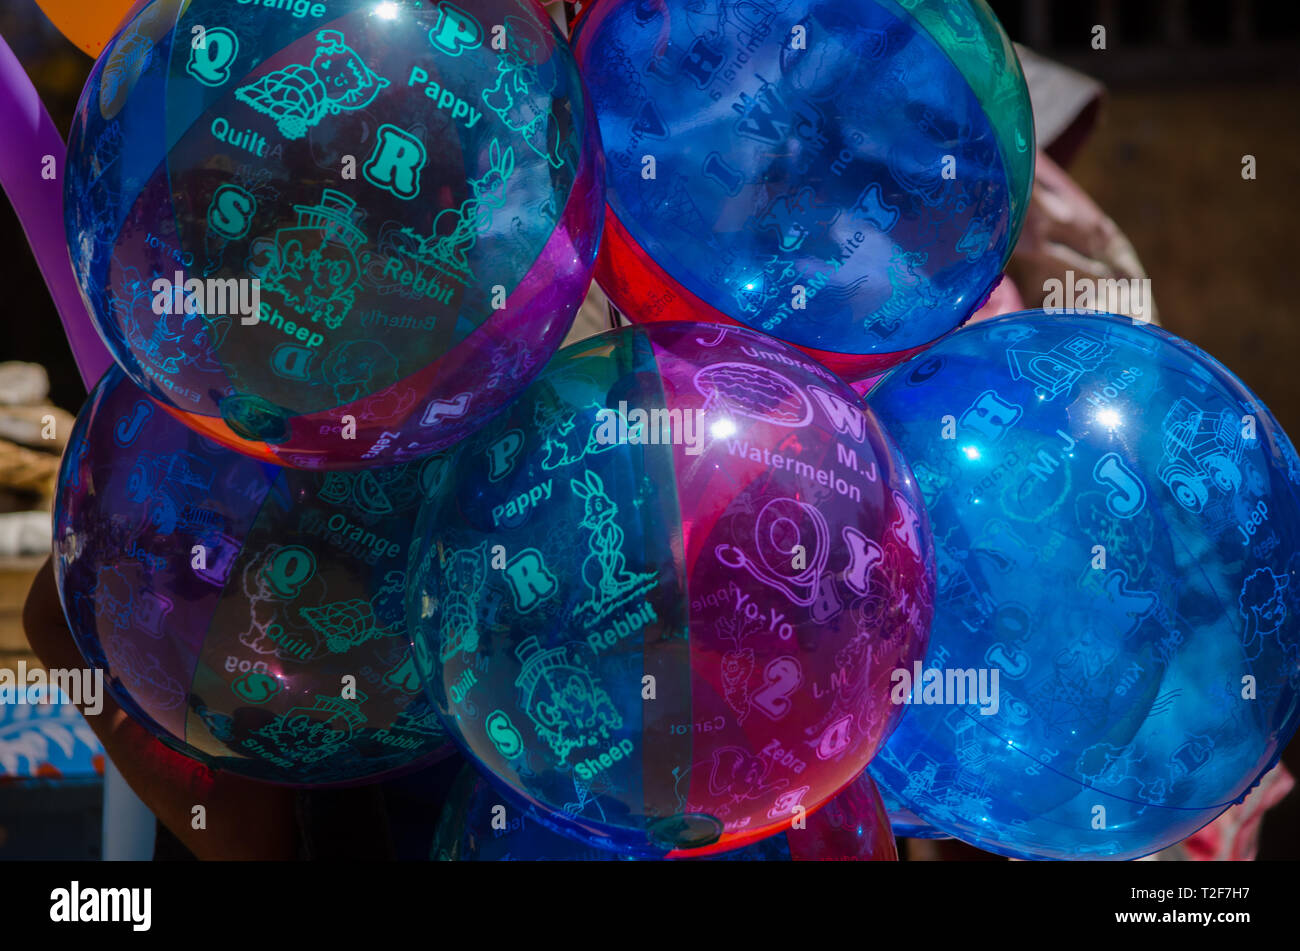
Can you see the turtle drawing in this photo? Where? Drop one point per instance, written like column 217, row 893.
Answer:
column 299, row 96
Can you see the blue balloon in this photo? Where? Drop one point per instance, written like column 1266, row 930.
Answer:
column 1116, row 529
column 905, row 823
column 849, row 176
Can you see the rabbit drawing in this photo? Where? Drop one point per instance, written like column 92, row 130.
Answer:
column 473, row 217
column 605, row 569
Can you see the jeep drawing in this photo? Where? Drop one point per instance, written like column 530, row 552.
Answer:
column 1201, row 449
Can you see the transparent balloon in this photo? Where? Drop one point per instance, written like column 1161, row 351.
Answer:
column 249, row 616
column 847, row 175
column 659, row 598
column 905, row 823
column 477, row 825
column 334, row 235
column 1116, row 646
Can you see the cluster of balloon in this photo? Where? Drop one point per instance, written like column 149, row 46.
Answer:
column 334, row 240
column 661, row 589
column 1117, row 610
column 252, row 617
column 477, row 826
column 751, row 181
column 660, row 597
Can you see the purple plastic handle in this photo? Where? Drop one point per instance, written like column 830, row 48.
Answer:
column 31, row 135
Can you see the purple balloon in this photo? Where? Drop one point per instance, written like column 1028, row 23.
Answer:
column 228, row 601
column 38, row 201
